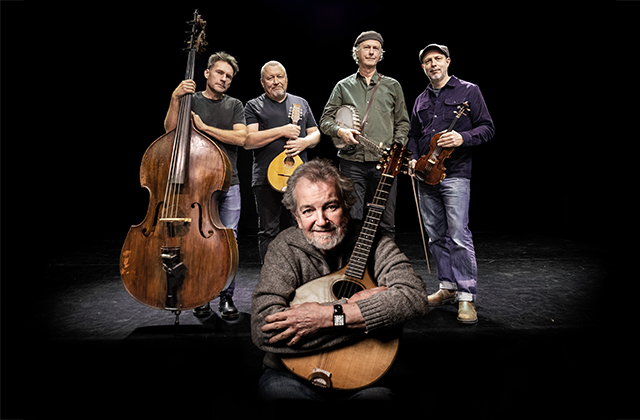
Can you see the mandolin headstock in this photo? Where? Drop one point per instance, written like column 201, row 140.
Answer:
column 295, row 113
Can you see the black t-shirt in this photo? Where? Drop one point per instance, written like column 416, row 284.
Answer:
column 222, row 114
column 271, row 114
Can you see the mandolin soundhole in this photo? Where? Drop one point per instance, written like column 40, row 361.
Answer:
column 345, row 288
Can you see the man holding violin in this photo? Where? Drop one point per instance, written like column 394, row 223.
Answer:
column 445, row 206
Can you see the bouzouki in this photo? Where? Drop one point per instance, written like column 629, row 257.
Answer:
column 430, row 167
column 348, row 117
column 364, row 362
column 283, row 166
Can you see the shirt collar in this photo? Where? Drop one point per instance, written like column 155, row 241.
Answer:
column 374, row 79
column 451, row 83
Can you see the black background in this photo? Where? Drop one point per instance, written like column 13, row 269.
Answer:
column 86, row 89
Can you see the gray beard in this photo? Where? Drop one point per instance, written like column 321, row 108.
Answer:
column 335, row 239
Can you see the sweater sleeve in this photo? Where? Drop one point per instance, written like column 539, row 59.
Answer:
column 406, row 296
column 284, row 268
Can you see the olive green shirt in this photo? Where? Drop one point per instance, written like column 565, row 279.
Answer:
column 388, row 120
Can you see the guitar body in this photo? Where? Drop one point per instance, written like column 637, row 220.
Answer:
column 354, row 366
column 280, row 169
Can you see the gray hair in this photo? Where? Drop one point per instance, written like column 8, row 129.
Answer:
column 270, row 64
column 320, row 170
column 354, row 54
column 223, row 56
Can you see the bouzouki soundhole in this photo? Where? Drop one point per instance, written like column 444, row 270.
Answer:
column 345, row 288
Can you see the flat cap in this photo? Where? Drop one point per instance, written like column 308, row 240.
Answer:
column 442, row 48
column 365, row 36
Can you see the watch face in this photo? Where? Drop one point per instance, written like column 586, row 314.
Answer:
column 338, row 320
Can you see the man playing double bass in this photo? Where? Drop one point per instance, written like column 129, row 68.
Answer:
column 320, row 198
column 221, row 118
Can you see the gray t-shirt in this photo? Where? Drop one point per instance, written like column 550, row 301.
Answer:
column 222, row 114
column 270, row 114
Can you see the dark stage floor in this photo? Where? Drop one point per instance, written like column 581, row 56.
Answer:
column 85, row 348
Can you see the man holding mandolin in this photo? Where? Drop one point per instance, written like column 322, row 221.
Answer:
column 444, row 202
column 281, row 126
column 312, row 255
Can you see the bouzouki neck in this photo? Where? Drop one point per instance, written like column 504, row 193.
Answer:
column 391, row 164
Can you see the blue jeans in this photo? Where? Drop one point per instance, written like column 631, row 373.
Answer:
column 284, row 385
column 229, row 211
column 445, row 212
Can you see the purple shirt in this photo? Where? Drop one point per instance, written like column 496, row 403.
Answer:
column 433, row 114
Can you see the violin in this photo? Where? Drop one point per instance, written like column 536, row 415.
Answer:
column 181, row 256
column 430, row 167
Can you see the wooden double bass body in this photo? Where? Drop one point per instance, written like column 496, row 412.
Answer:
column 181, row 256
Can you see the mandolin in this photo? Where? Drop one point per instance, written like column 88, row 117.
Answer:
column 283, row 166
column 430, row 167
column 364, row 362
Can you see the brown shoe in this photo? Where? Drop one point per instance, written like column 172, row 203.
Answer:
column 467, row 313
column 441, row 297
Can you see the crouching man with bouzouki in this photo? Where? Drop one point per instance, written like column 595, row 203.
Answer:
column 332, row 294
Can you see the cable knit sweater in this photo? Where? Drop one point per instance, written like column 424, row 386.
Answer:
column 291, row 261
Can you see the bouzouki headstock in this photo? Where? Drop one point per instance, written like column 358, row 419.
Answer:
column 394, row 160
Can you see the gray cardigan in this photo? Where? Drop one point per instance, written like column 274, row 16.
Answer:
column 291, row 261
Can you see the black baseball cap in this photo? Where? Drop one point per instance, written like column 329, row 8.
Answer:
column 442, row 48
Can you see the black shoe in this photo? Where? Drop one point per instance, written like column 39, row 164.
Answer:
column 227, row 309
column 202, row 311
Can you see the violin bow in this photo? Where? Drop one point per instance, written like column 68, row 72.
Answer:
column 424, row 243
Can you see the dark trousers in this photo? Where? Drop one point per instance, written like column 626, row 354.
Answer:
column 366, row 177
column 270, row 210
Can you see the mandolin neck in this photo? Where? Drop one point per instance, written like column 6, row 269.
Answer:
column 358, row 261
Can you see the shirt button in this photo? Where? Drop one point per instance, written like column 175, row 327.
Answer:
column 435, row 116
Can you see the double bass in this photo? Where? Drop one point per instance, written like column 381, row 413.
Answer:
column 181, row 256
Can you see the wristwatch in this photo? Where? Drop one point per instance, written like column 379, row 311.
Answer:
column 338, row 316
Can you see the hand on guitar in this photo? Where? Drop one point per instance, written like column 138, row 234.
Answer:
column 348, row 135
column 298, row 321
column 450, row 139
